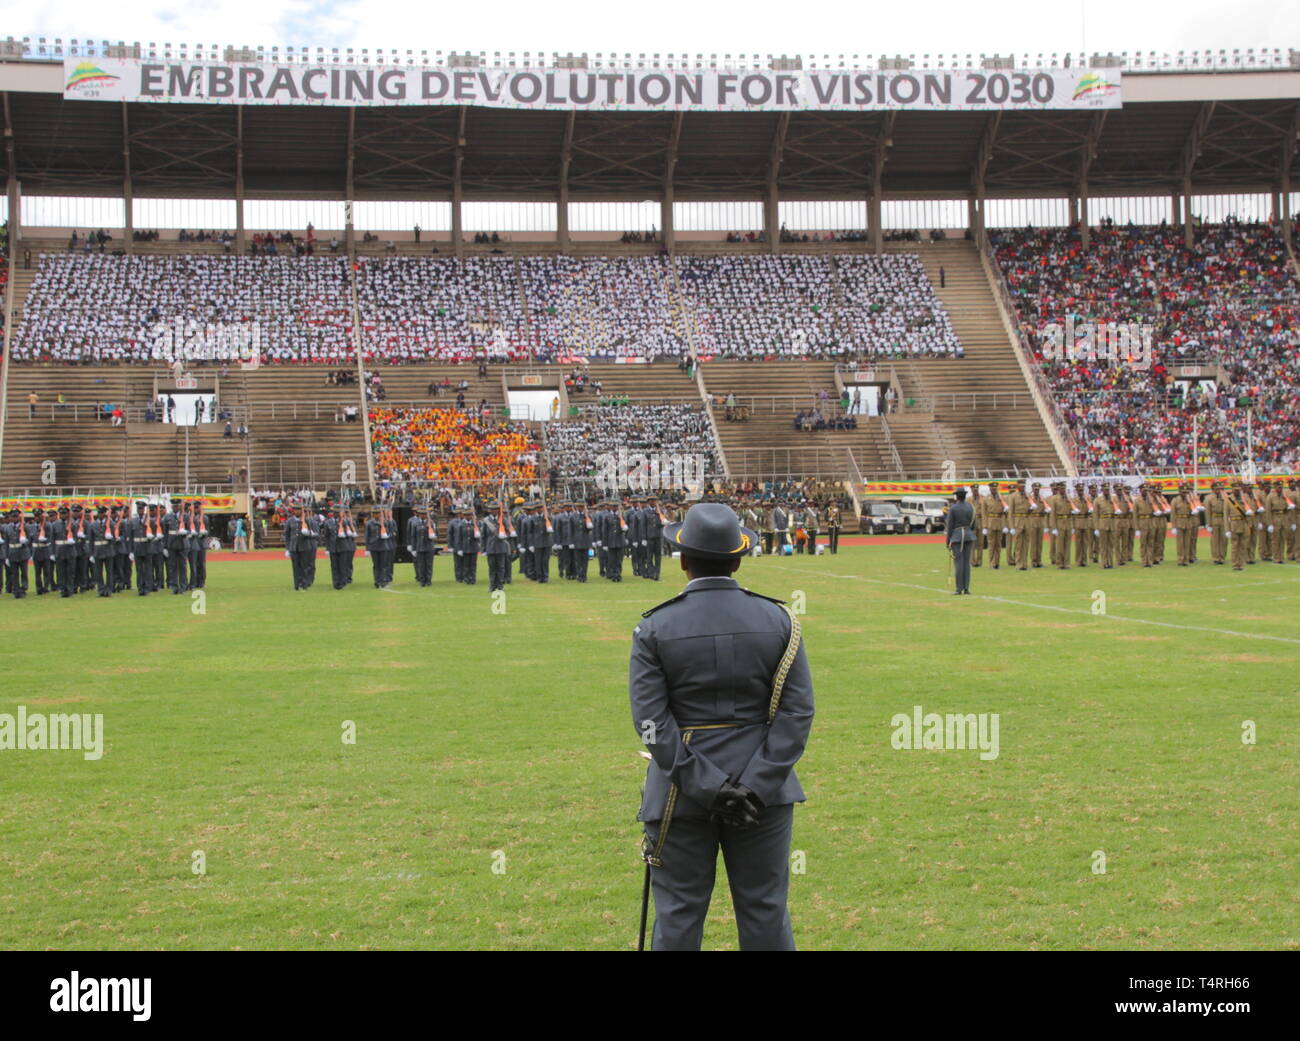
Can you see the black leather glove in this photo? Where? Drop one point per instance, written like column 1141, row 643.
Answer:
column 735, row 805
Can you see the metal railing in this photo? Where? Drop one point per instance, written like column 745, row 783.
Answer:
column 41, row 48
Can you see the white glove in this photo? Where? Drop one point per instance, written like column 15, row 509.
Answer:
column 460, row 552
column 1013, row 531
column 365, row 552
column 1004, row 531
column 984, row 531
column 1209, row 529
column 1054, row 533
column 131, row 557
column 410, row 550
column 1174, row 530
column 571, row 546
column 1227, row 534
column 92, row 560
column 1270, row 529
column 286, row 554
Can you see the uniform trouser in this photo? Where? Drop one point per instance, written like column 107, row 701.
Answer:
column 1022, row 546
column 1218, row 543
column 471, row 567
column 1275, row 544
column 1159, row 535
column 44, row 575
column 1106, row 547
column 341, row 567
column 1292, row 539
column 835, row 540
column 654, row 558
column 1060, row 547
column 83, row 579
column 1148, row 543
column 1239, row 548
column 157, row 562
column 17, row 577
column 104, row 569
column 143, row 574
column 199, row 568
column 526, row 563
column 122, row 572
column 1186, row 542
column 580, row 561
column 961, row 554
column 995, row 546
column 377, row 566
column 768, row 536
column 614, row 564
column 638, row 558
column 1081, row 549
column 566, row 561
column 176, row 576
column 812, row 542
column 497, row 564
column 758, row 872
column 67, row 570
column 424, row 566
column 304, row 568
column 542, row 563
column 1036, row 544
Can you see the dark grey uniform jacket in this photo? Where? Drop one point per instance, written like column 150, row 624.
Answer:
column 959, row 525
column 709, row 656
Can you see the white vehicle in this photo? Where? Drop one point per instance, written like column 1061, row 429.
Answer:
column 923, row 512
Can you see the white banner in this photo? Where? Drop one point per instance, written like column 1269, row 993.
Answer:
column 641, row 90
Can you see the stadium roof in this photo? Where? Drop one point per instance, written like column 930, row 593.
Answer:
column 1227, row 131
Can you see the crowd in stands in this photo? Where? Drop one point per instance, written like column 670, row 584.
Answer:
column 97, row 308
column 768, row 306
column 640, row 236
column 607, row 307
column 576, row 445
column 443, row 444
column 1230, row 302
column 485, row 308
column 418, row 309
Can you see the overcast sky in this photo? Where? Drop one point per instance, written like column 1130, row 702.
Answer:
column 677, row 26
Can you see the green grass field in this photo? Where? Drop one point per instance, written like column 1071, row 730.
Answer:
column 504, row 741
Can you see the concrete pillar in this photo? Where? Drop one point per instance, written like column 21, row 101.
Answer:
column 772, row 219
column 1085, row 232
column 1189, row 234
column 14, row 191
column 669, row 232
column 1175, row 208
column 457, row 229
column 562, row 219
column 873, row 223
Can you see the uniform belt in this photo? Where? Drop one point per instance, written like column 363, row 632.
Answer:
column 722, row 726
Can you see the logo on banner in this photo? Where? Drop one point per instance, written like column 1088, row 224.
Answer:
column 87, row 76
column 1092, row 88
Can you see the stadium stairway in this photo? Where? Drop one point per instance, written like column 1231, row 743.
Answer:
column 660, row 381
column 766, row 444
column 1000, row 428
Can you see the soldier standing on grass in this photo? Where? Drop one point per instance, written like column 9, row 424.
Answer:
column 722, row 697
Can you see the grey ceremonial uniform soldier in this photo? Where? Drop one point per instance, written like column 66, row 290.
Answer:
column 724, row 749
column 959, row 534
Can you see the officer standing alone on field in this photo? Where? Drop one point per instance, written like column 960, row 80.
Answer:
column 960, row 536
column 722, row 697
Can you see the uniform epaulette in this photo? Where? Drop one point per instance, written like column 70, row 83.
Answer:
column 762, row 596
column 679, row 596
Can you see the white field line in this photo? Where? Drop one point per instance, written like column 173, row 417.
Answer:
column 1052, row 607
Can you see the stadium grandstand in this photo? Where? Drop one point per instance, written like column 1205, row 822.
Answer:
column 202, row 294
